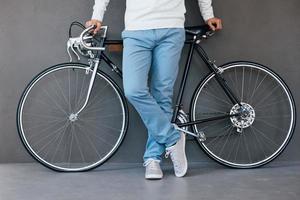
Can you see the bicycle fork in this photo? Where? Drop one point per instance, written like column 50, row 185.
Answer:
column 73, row 117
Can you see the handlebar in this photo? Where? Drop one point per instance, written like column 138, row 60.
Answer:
column 83, row 43
column 82, row 38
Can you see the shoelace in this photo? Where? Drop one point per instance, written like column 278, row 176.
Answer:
column 168, row 152
column 175, row 162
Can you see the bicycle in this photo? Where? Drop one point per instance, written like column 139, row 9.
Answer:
column 74, row 116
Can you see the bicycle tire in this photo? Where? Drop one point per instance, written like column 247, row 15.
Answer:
column 261, row 152
column 35, row 98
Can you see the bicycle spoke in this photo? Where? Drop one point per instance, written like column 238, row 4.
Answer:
column 70, row 150
column 266, row 137
column 91, row 108
column 220, row 135
column 256, row 88
column 221, row 151
column 271, row 125
column 274, row 116
column 236, row 80
column 102, row 117
column 212, row 125
column 50, row 141
column 234, row 84
column 40, row 132
column 215, row 97
column 61, row 90
column 213, row 109
column 43, row 116
column 90, row 141
column 77, row 142
column 270, row 104
column 57, row 105
column 38, row 100
column 48, row 123
column 69, row 94
column 49, row 135
column 249, row 83
column 80, row 93
column 265, row 97
column 104, row 126
column 243, row 79
column 247, row 148
column 95, row 99
column 98, row 128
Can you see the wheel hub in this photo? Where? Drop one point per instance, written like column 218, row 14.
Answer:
column 73, row 117
column 246, row 117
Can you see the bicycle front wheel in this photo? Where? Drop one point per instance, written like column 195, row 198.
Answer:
column 57, row 138
column 262, row 132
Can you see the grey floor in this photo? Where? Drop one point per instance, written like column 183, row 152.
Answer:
column 111, row 181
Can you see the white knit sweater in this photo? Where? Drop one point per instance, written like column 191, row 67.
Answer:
column 153, row 14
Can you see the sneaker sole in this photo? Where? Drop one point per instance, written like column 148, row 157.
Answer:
column 185, row 171
column 153, row 177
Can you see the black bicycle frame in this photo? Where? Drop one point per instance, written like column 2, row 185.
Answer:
column 194, row 46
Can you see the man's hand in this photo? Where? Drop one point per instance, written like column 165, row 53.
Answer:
column 95, row 22
column 214, row 23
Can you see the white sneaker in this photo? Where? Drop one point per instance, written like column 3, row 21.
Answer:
column 153, row 170
column 178, row 157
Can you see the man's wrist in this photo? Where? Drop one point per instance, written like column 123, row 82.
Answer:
column 208, row 17
column 97, row 16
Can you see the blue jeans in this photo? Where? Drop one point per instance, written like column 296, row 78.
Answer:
column 150, row 68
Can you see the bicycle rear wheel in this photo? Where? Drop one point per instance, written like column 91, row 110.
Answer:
column 56, row 138
column 255, row 138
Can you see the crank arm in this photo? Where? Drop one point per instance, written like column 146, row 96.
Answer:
column 200, row 135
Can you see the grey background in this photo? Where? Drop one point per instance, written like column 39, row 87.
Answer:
column 33, row 35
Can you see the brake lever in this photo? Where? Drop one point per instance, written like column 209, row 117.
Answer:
column 68, row 50
column 73, row 42
column 72, row 47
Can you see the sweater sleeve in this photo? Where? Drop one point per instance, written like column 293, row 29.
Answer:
column 99, row 9
column 206, row 9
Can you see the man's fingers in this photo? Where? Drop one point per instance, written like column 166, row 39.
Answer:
column 98, row 26
column 211, row 25
column 215, row 24
column 219, row 25
column 88, row 23
column 95, row 23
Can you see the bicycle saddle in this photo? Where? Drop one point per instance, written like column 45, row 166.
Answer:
column 198, row 30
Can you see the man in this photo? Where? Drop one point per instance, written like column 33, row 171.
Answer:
column 153, row 39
